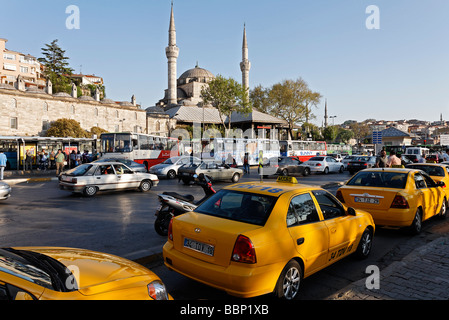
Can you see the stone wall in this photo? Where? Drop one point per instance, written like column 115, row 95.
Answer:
column 30, row 112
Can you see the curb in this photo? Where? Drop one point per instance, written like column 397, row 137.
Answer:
column 29, row 180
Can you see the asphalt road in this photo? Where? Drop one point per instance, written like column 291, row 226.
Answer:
column 121, row 223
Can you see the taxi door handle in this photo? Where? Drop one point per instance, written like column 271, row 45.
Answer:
column 299, row 241
column 333, row 230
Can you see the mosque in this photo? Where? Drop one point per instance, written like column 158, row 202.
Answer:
column 182, row 102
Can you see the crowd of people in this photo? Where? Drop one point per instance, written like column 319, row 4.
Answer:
column 51, row 160
column 396, row 161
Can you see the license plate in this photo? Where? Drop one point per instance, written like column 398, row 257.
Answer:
column 185, row 174
column 199, row 246
column 366, row 200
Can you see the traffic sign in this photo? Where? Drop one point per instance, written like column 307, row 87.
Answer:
column 377, row 137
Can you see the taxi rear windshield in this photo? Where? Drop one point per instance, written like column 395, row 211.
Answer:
column 239, row 206
column 380, row 179
column 430, row 170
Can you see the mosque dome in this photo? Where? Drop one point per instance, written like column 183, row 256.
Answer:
column 196, row 74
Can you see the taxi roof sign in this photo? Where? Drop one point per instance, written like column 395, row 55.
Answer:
column 287, row 179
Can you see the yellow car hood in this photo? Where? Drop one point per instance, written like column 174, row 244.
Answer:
column 96, row 272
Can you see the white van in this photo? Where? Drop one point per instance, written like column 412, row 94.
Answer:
column 416, row 153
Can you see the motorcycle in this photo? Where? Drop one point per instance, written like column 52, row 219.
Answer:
column 173, row 204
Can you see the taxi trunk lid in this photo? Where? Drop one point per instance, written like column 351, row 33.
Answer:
column 208, row 238
column 369, row 197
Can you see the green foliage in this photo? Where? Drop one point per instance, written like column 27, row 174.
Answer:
column 56, row 66
column 66, row 128
column 228, row 96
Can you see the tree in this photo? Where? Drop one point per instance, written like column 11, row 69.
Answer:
column 293, row 101
column 330, row 133
column 259, row 99
column 228, row 96
column 56, row 66
column 345, row 135
column 360, row 131
column 66, row 128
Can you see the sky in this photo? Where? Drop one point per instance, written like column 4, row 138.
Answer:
column 398, row 70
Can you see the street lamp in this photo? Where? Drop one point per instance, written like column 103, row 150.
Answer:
column 333, row 119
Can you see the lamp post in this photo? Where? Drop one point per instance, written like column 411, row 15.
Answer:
column 333, row 119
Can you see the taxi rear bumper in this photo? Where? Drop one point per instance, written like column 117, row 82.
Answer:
column 237, row 279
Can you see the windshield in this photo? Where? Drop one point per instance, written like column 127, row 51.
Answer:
column 171, row 160
column 80, row 170
column 316, row 159
column 116, row 142
column 430, row 170
column 239, row 206
column 379, row 179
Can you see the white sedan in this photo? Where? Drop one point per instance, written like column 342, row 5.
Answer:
column 5, row 190
column 89, row 178
column 324, row 164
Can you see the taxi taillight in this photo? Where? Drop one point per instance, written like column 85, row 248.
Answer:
column 244, row 251
column 339, row 196
column 399, row 202
column 170, row 230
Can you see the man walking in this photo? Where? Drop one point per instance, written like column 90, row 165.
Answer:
column 2, row 164
column 59, row 159
column 381, row 162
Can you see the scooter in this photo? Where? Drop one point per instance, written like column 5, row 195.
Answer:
column 174, row 204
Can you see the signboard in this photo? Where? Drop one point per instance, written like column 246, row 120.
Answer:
column 444, row 139
column 377, row 137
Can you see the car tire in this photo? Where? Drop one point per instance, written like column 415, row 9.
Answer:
column 416, row 226
column 145, row 185
column 443, row 211
column 326, row 170
column 289, row 282
column 171, row 174
column 365, row 244
column 235, row 178
column 285, row 172
column 90, row 191
column 342, row 169
column 306, row 172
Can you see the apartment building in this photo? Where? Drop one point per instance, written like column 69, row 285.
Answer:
column 14, row 64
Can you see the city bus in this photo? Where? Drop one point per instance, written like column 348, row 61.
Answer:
column 220, row 149
column 303, row 150
column 142, row 148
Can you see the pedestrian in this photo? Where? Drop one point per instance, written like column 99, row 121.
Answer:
column 85, row 158
column 393, row 161
column 78, row 158
column 423, row 158
column 72, row 159
column 29, row 160
column 446, row 155
column 51, row 157
column 381, row 161
column 246, row 163
column 2, row 164
column 43, row 161
column 59, row 160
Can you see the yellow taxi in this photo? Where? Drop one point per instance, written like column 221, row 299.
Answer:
column 395, row 197
column 255, row 238
column 439, row 172
column 52, row 273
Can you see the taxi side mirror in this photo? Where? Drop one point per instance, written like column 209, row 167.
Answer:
column 351, row 211
column 441, row 184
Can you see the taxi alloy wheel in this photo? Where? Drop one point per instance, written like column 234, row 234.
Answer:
column 443, row 211
column 90, row 191
column 145, row 185
column 416, row 226
column 365, row 244
column 289, row 281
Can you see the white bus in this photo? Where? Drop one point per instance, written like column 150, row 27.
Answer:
column 303, row 150
column 142, row 148
column 220, row 149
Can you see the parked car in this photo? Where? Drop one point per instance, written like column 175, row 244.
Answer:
column 360, row 163
column 89, row 178
column 169, row 168
column 284, row 166
column 395, row 197
column 135, row 166
column 50, row 273
column 5, row 190
column 324, row 164
column 437, row 171
column 211, row 169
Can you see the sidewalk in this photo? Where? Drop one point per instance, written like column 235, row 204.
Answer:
column 421, row 275
column 12, row 177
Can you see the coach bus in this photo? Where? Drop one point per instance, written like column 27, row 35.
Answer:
column 220, row 149
column 303, row 150
column 142, row 148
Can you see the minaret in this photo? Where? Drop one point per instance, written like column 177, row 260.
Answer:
column 245, row 65
column 325, row 114
column 172, row 52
